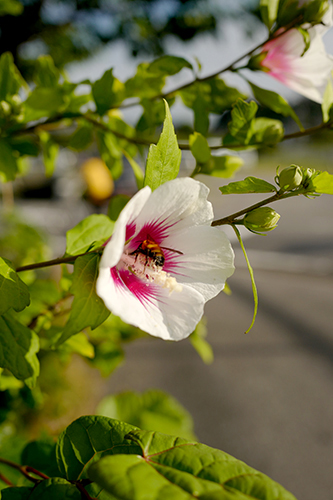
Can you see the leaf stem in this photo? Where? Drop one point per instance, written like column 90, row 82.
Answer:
column 24, row 469
column 5, row 480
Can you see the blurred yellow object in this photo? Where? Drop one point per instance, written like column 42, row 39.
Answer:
column 98, row 178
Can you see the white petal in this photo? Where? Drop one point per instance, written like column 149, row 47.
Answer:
column 181, row 202
column 207, row 260
column 114, row 248
column 168, row 316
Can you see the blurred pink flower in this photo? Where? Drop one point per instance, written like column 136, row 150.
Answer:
column 306, row 73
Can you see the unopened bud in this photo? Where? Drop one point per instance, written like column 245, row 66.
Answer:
column 314, row 11
column 290, row 178
column 261, row 220
column 307, row 174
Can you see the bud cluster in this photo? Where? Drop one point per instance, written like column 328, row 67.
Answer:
column 294, row 177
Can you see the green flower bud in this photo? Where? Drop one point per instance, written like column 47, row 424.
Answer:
column 290, row 178
column 261, row 219
column 255, row 62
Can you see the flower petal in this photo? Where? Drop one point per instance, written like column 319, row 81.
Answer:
column 168, row 316
column 207, row 260
column 114, row 248
column 178, row 203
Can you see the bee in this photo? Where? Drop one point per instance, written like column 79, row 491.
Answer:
column 153, row 252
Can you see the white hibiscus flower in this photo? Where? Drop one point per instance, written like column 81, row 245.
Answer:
column 164, row 260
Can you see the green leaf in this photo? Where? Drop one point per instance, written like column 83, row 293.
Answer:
column 89, row 438
column 88, row 309
column 275, row 102
column 18, row 348
column 46, row 75
column 91, row 232
column 82, row 138
column 8, row 161
column 46, row 100
column 241, row 124
column 168, row 65
column 200, row 344
column 111, row 152
column 322, row 183
column 50, row 151
column 102, row 91
column 14, row 293
column 248, row 185
column 55, row 488
column 80, row 344
column 327, row 104
column 173, row 468
column 150, row 410
column 10, row 78
column 163, row 160
column 199, row 147
column 215, row 94
column 41, row 456
column 117, row 203
column 268, row 11
column 16, row 493
column 144, row 84
column 137, row 171
column 267, row 131
column 222, row 166
column 24, row 146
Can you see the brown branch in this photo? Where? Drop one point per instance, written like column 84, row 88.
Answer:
column 24, row 470
column 231, row 219
column 53, row 262
column 5, row 480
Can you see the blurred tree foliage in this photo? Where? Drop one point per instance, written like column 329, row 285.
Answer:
column 70, row 30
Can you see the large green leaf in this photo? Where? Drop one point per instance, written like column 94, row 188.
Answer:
column 18, row 348
column 14, row 292
column 248, row 185
column 90, row 233
column 46, row 100
column 41, row 456
column 150, row 410
column 88, row 439
column 88, row 309
column 173, row 468
column 55, row 488
column 163, row 160
column 275, row 102
column 16, row 493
